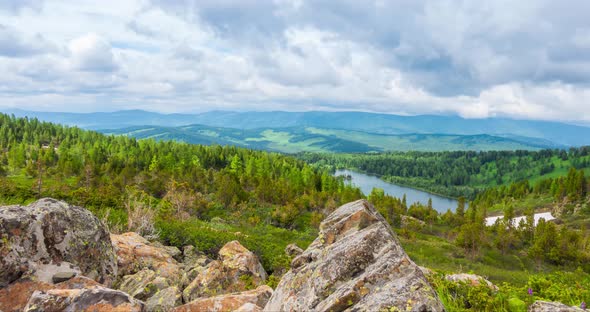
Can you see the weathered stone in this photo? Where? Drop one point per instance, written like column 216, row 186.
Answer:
column 229, row 302
column 193, row 264
column 62, row 276
column 15, row 296
column 90, row 299
column 135, row 253
column 546, row 306
column 293, row 250
column 249, row 307
column 409, row 222
column 171, row 250
column 50, row 232
column 356, row 264
column 237, row 270
column 139, row 285
column 164, row 300
column 471, row 279
column 426, row 271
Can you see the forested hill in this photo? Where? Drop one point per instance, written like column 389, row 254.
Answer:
column 190, row 192
column 539, row 132
column 461, row 173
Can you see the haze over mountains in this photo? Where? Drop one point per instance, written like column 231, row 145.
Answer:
column 329, row 131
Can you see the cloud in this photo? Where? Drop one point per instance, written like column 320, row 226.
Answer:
column 525, row 59
column 92, row 53
column 16, row 44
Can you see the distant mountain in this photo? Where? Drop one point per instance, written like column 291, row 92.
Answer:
column 537, row 133
column 311, row 139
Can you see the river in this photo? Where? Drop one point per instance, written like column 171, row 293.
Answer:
column 367, row 182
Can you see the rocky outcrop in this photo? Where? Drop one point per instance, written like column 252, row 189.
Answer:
column 246, row 301
column 194, row 262
column 356, row 264
column 49, row 236
column 237, row 270
column 96, row 298
column 471, row 279
column 546, row 306
column 293, row 250
column 135, row 253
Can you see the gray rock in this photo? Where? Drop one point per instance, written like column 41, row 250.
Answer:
column 356, row 264
column 546, row 306
column 293, row 250
column 470, row 279
column 51, row 232
column 165, row 300
column 62, row 276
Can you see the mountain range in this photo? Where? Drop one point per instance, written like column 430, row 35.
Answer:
column 329, row 131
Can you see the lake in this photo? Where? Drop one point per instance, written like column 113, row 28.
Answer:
column 367, row 182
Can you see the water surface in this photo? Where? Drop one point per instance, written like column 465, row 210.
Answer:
column 367, row 182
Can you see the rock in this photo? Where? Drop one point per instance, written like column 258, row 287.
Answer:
column 426, row 271
column 293, row 250
column 171, row 250
column 410, row 222
column 15, row 297
column 194, row 263
column 135, row 253
column 237, row 270
column 230, row 302
column 471, row 279
column 62, row 276
column 546, row 306
column 97, row 298
column 164, row 300
column 139, row 285
column 51, row 232
column 249, row 307
column 356, row 264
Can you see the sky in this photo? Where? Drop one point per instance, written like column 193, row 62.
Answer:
column 526, row 59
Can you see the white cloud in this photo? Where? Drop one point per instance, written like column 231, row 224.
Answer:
column 500, row 58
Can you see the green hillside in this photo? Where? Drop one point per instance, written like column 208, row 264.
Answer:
column 313, row 139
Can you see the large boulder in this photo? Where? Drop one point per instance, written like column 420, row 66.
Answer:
column 135, row 253
column 96, row 298
column 547, row 306
column 237, row 270
column 15, row 296
column 252, row 300
column 356, row 264
column 50, row 236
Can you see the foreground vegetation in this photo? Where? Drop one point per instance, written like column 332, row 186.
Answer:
column 209, row 195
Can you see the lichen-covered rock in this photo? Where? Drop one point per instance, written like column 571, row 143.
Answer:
column 164, row 300
column 142, row 285
column 229, row 302
column 237, row 270
column 96, row 299
column 546, row 306
column 293, row 250
column 15, row 296
column 194, row 262
column 471, row 279
column 50, row 232
column 135, row 253
column 356, row 264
